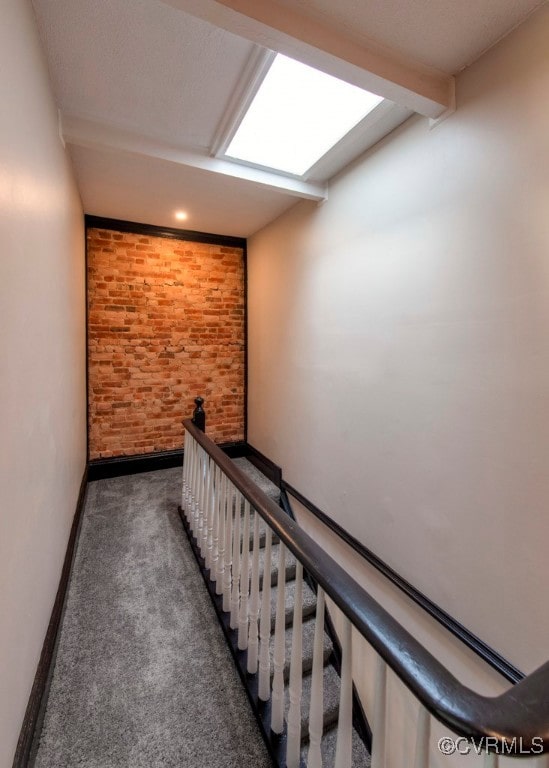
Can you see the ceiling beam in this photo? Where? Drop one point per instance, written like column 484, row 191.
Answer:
column 87, row 133
column 368, row 65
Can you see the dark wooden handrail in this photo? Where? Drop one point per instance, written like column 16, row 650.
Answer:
column 450, row 624
column 515, row 722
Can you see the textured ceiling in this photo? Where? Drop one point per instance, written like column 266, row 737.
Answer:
column 131, row 187
column 160, row 73
column 141, row 65
column 446, row 34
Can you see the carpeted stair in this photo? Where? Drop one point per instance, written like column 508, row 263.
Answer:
column 361, row 757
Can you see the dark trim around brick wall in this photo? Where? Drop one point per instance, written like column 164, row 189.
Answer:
column 137, row 228
column 98, row 466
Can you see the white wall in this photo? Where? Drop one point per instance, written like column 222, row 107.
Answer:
column 399, row 349
column 42, row 359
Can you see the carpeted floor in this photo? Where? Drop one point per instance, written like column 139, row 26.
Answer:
column 143, row 677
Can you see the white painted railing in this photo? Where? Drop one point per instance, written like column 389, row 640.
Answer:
column 228, row 531
column 224, row 525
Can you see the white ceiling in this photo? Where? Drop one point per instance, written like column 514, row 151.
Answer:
column 141, row 65
column 131, row 187
column 163, row 78
column 446, row 34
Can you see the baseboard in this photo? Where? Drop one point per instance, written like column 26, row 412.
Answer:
column 265, row 465
column 39, row 687
column 235, row 450
column 117, row 466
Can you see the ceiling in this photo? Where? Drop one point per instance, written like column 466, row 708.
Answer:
column 131, row 187
column 145, row 87
column 445, row 34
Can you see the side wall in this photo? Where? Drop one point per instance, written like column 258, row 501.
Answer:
column 399, row 349
column 42, row 354
column 165, row 324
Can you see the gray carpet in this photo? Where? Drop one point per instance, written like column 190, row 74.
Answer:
column 143, row 676
column 268, row 487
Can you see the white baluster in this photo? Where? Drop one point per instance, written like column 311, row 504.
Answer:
column 196, row 489
column 190, row 475
column 227, row 575
column 277, row 715
column 316, row 711
column 235, row 594
column 199, row 518
column 212, row 467
column 191, row 488
column 207, row 512
column 423, row 735
column 203, row 539
column 379, row 720
column 296, row 674
column 186, row 462
column 264, row 688
column 344, row 745
column 220, row 576
column 191, row 506
column 490, row 760
column 253, row 638
column 202, row 520
column 244, row 581
column 215, row 523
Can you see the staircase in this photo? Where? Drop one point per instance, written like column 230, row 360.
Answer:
column 264, row 617
column 331, row 679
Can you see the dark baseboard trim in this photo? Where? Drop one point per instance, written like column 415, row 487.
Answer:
column 117, row 466
column 265, row 465
column 39, row 687
column 138, row 228
column 235, row 450
column 474, row 643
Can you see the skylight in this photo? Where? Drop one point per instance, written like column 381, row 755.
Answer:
column 297, row 115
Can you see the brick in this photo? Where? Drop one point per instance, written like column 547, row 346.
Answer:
column 179, row 333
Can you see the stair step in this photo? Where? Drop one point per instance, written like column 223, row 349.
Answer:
column 262, row 534
column 275, row 555
column 331, row 680
column 251, row 471
column 308, row 645
column 360, row 755
column 308, row 602
column 331, row 688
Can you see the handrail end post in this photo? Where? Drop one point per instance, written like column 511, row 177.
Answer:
column 199, row 415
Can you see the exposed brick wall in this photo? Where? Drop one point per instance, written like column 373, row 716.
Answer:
column 165, row 323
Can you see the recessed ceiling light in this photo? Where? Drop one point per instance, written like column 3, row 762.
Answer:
column 180, row 215
column 297, row 115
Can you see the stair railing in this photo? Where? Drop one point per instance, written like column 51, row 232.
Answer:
column 224, row 509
